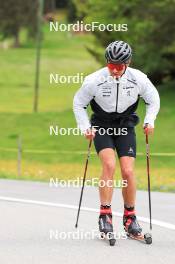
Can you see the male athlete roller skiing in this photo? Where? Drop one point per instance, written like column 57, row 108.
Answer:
column 113, row 93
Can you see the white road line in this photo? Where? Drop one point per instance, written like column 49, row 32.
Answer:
column 67, row 206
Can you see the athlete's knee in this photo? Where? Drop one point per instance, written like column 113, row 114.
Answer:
column 127, row 173
column 109, row 166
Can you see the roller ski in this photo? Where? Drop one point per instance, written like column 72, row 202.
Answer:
column 133, row 229
column 105, row 225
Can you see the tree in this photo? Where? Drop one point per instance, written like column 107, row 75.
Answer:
column 17, row 14
column 62, row 3
column 49, row 6
column 151, row 32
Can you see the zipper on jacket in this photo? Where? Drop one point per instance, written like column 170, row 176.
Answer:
column 117, row 97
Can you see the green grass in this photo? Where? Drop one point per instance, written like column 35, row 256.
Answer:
column 65, row 54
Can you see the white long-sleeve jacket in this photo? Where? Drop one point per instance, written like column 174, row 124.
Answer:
column 110, row 97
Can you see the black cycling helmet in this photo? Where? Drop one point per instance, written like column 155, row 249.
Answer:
column 118, row 52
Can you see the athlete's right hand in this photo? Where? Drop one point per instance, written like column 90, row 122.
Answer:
column 90, row 134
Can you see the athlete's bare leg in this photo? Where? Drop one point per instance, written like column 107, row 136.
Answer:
column 108, row 160
column 127, row 171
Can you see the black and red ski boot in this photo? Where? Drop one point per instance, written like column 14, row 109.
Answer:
column 130, row 223
column 105, row 223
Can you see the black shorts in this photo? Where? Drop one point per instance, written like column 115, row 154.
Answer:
column 124, row 144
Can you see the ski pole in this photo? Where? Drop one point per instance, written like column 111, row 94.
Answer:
column 148, row 174
column 84, row 177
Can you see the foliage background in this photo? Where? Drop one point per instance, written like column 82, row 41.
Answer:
column 151, row 34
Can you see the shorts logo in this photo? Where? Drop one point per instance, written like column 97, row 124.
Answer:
column 130, row 150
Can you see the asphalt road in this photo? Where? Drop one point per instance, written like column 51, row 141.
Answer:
column 39, row 227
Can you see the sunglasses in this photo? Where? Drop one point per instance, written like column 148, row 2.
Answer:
column 116, row 67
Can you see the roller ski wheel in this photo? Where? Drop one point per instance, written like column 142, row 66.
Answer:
column 106, row 228
column 109, row 237
column 147, row 238
column 112, row 241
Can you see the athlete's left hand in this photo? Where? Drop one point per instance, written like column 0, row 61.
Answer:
column 148, row 129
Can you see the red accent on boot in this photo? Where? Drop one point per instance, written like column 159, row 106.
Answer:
column 105, row 211
column 128, row 222
column 129, row 213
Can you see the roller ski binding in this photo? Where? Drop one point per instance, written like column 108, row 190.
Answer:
column 133, row 229
column 105, row 225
